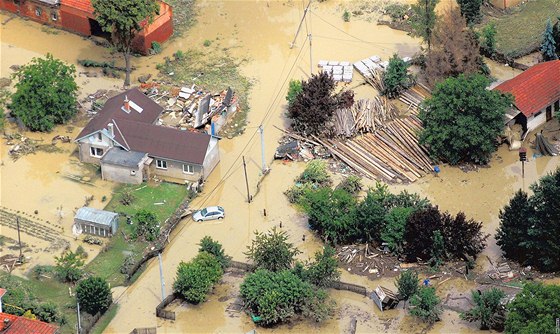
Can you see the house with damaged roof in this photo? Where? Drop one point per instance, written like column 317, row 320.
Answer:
column 126, row 141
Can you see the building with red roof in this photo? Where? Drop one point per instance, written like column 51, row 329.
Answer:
column 78, row 17
column 13, row 324
column 537, row 94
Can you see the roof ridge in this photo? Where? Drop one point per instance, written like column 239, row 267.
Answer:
column 122, row 134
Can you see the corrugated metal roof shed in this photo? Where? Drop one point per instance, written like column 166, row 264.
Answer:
column 97, row 216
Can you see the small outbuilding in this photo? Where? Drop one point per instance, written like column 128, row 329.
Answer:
column 384, row 298
column 96, row 222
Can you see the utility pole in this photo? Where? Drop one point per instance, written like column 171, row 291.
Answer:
column 246, row 180
column 261, row 130
column 79, row 320
column 300, row 24
column 19, row 240
column 304, row 19
column 161, row 277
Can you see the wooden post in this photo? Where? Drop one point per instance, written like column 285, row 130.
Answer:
column 19, row 240
column 246, row 180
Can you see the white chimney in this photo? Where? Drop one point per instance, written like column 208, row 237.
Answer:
column 126, row 105
column 110, row 130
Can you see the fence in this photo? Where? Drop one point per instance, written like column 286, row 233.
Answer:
column 241, row 265
column 151, row 330
column 350, row 287
column 161, row 313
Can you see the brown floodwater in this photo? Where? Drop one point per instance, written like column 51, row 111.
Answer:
column 260, row 31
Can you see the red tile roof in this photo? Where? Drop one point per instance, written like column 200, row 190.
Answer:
column 536, row 88
column 21, row 325
column 84, row 5
column 2, row 292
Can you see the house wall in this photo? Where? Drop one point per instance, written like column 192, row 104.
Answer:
column 86, row 143
column 174, row 171
column 9, row 5
column 212, row 157
column 28, row 9
column 534, row 122
column 96, row 229
column 75, row 20
column 503, row 4
column 121, row 174
column 160, row 30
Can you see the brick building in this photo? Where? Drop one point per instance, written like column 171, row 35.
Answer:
column 77, row 16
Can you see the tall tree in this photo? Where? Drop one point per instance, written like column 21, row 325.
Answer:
column 426, row 305
column 534, row 309
column 424, row 20
column 455, row 48
column 462, row 119
column 470, row 9
column 124, row 19
column 488, row 309
column 272, row 251
column 407, row 285
column 556, row 35
column 514, row 224
column 46, row 93
column 548, row 45
column 94, row 295
column 396, row 78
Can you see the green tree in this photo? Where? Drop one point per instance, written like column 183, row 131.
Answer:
column 324, row 270
column 272, row 251
column 424, row 20
column 195, row 278
column 548, row 45
column 426, row 305
column 514, row 225
column 470, row 9
column 69, row 266
column 438, row 254
column 489, row 39
column 147, row 224
column 463, row 238
column 351, row 184
column 294, row 89
column 396, row 78
column 556, row 35
column 407, row 285
column 395, row 225
column 46, row 93
column 462, row 119
column 488, row 309
column 534, row 310
column 313, row 108
column 124, row 19
column 281, row 296
column 209, row 245
column 419, row 233
column 94, row 295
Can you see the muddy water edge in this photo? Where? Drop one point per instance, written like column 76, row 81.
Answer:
column 260, row 31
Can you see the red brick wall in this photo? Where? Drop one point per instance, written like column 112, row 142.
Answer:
column 159, row 31
column 9, row 6
column 75, row 20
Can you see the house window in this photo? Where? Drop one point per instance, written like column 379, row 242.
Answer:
column 99, row 136
column 161, row 164
column 96, row 152
column 54, row 16
column 38, row 11
column 188, row 169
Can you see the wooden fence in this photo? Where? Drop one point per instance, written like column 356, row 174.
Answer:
column 241, row 265
column 349, row 287
column 160, row 309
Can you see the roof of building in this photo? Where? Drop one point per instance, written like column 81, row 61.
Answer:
column 164, row 142
column 113, row 110
column 536, row 88
column 123, row 158
column 84, row 5
column 95, row 216
column 21, row 325
column 2, row 292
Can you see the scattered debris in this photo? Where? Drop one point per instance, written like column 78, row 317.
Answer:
column 384, row 298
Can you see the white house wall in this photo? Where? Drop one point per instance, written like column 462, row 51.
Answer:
column 534, row 122
column 212, row 157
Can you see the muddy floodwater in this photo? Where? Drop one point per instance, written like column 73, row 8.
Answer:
column 261, row 32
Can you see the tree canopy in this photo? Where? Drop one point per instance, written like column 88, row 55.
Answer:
column 396, row 78
column 534, row 310
column 529, row 230
column 46, row 93
column 424, row 20
column 463, row 119
column 272, row 251
column 548, row 45
column 124, row 19
column 488, row 309
column 407, row 284
column 147, row 225
column 94, row 295
column 470, row 9
column 195, row 278
column 425, row 305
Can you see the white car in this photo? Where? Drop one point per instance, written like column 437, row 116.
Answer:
column 209, row 213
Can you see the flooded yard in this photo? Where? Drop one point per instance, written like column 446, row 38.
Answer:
column 261, row 32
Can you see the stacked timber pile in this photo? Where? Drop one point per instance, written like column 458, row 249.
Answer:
column 414, row 96
column 366, row 115
column 391, row 153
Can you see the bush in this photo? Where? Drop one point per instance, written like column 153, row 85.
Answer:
column 489, row 39
column 294, row 89
column 488, row 309
column 127, row 198
column 69, row 267
column 207, row 43
column 179, row 55
column 208, row 245
column 395, row 225
column 396, row 77
column 195, row 279
column 147, row 225
column 324, row 270
column 94, row 295
column 351, row 184
column 426, row 305
column 272, row 251
column 81, row 252
column 315, row 173
column 346, row 16
column 40, row 271
column 127, row 264
column 156, row 48
column 407, row 284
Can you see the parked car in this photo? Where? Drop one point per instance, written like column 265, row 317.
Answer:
column 209, row 213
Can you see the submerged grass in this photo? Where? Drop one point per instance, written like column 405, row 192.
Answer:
column 520, row 31
column 213, row 71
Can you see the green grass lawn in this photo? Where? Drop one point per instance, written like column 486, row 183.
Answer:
column 108, row 264
column 520, row 32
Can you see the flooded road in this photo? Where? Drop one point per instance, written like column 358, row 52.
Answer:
column 262, row 32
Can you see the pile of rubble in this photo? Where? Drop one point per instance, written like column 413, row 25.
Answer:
column 296, row 148
column 21, row 145
column 367, row 260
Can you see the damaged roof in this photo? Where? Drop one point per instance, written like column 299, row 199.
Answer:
column 536, row 88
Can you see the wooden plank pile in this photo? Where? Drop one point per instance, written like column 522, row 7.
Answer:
column 365, row 115
column 414, row 96
column 391, row 153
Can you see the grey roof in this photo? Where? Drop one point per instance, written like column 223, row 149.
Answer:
column 119, row 157
column 96, row 216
